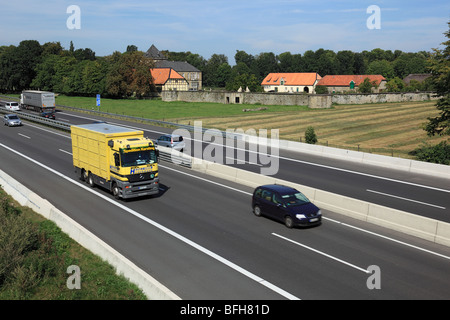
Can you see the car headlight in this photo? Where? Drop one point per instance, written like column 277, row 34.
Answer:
column 300, row 216
column 319, row 213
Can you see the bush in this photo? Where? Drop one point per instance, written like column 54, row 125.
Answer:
column 439, row 153
column 310, row 136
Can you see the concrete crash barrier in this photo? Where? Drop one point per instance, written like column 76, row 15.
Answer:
column 150, row 286
column 408, row 165
column 425, row 228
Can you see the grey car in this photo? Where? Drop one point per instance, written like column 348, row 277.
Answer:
column 171, row 141
column 11, row 120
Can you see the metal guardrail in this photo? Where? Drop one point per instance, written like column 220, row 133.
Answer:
column 38, row 119
column 165, row 155
column 159, row 123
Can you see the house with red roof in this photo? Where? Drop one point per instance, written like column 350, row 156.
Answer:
column 167, row 79
column 343, row 83
column 291, row 82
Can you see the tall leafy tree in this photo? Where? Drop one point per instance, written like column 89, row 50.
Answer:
column 440, row 76
column 129, row 75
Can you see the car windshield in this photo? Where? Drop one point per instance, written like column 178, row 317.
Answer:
column 13, row 118
column 138, row 158
column 295, row 199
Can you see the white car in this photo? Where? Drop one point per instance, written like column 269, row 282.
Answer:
column 13, row 106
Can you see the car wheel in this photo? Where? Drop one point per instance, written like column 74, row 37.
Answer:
column 288, row 222
column 257, row 211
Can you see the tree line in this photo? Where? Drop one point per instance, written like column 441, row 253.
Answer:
column 250, row 70
column 31, row 65
column 50, row 67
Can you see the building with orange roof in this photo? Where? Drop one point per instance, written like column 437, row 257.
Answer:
column 192, row 75
column 291, row 82
column 167, row 79
column 342, row 83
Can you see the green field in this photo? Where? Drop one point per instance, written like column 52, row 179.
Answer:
column 386, row 128
column 169, row 111
column 393, row 129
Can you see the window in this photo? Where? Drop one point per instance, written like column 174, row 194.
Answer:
column 267, row 195
column 296, row 199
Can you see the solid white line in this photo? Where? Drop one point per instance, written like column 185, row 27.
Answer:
column 322, row 253
column 248, row 193
column 406, row 199
column 209, row 181
column 388, row 238
column 164, row 229
column 306, row 162
column 24, row 136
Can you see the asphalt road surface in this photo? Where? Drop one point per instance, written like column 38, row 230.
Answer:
column 200, row 238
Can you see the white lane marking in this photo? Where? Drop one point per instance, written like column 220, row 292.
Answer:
column 304, row 162
column 248, row 193
column 387, row 238
column 321, row 253
column 65, row 151
column 24, row 136
column 406, row 199
column 165, row 229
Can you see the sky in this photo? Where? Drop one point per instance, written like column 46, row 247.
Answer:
column 207, row 27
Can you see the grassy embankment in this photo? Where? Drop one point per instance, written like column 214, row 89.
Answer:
column 385, row 128
column 35, row 255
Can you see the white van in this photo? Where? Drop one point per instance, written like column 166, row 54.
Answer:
column 13, row 106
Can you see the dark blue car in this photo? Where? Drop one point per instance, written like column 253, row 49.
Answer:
column 285, row 204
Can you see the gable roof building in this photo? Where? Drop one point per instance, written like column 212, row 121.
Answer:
column 340, row 83
column 291, row 82
column 167, row 79
column 192, row 75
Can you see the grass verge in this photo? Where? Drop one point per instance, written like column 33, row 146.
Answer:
column 35, row 255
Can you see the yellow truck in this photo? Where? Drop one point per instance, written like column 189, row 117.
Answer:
column 119, row 159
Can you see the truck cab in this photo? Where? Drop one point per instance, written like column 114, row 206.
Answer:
column 119, row 159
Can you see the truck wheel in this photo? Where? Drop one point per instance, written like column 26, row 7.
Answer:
column 116, row 191
column 83, row 175
column 91, row 180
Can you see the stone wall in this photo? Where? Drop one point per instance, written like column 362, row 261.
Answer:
column 358, row 98
column 290, row 99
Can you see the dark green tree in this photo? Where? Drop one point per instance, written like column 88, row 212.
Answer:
column 310, row 135
column 440, row 76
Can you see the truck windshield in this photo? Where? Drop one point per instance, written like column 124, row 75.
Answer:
column 138, row 158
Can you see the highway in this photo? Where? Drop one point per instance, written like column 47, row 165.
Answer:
column 423, row 195
column 200, row 239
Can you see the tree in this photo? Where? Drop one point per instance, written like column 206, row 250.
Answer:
column 366, row 86
column 382, row 67
column 211, row 73
column 17, row 65
column 395, row 85
column 440, row 76
column 129, row 75
column 310, row 136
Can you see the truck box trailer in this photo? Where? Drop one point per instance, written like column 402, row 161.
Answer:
column 42, row 102
column 119, row 159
